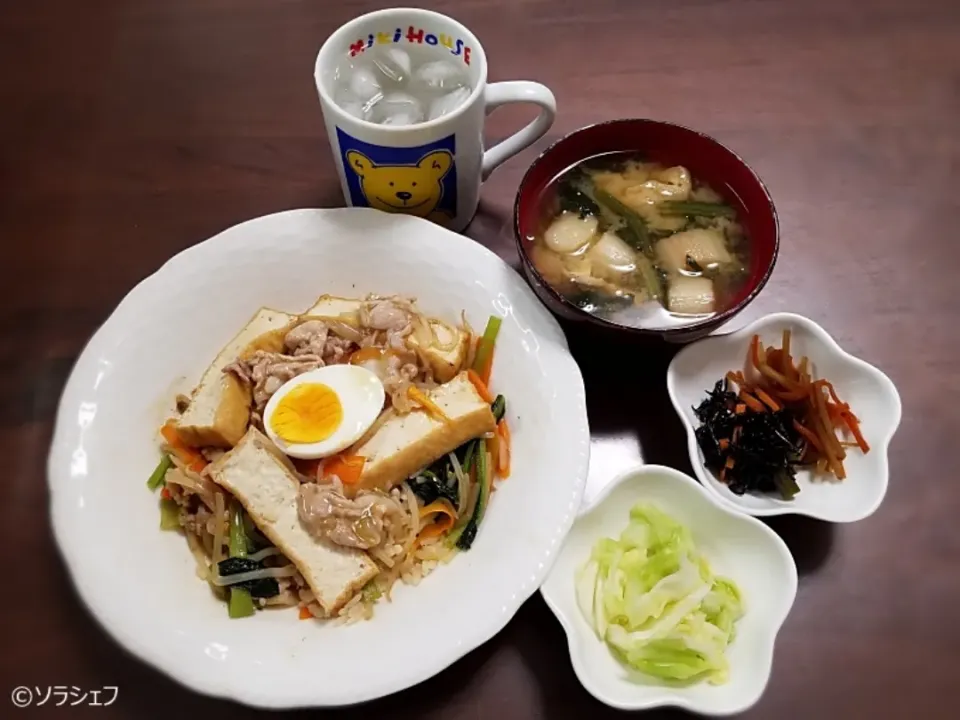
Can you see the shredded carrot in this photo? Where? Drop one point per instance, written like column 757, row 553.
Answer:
column 851, row 422
column 348, row 468
column 505, row 452
column 740, row 409
column 730, row 462
column 755, row 350
column 165, row 493
column 765, row 369
column 305, row 613
column 810, row 436
column 481, row 387
column 445, row 517
column 188, row 455
column 824, row 428
column 766, row 399
column 751, row 402
column 724, row 443
column 420, row 397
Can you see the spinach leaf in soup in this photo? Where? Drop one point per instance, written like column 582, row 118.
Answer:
column 573, row 199
column 598, row 302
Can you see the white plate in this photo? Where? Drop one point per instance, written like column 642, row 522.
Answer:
column 140, row 582
column 739, row 547
column 870, row 393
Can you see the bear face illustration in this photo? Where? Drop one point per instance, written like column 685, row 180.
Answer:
column 414, row 189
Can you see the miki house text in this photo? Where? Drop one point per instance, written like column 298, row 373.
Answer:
column 413, row 35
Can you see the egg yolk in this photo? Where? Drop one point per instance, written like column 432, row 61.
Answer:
column 308, row 413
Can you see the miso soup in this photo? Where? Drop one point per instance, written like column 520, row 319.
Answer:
column 639, row 243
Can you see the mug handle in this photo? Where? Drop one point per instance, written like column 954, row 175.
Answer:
column 513, row 91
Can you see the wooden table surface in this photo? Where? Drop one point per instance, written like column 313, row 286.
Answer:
column 133, row 129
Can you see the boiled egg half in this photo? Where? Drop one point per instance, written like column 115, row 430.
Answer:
column 323, row 411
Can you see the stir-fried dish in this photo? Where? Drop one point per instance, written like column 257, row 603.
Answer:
column 325, row 456
column 639, row 243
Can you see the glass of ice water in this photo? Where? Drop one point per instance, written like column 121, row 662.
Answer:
column 404, row 95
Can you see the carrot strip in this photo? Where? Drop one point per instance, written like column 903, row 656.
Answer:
column 755, row 349
column 305, row 613
column 740, row 409
column 188, row 455
column 420, row 397
column 348, row 468
column 752, row 402
column 765, row 369
column 481, row 386
column 724, row 443
column 447, row 516
column 792, row 395
column 851, row 422
column 730, row 462
column 505, row 451
column 831, row 446
column 766, row 399
column 810, row 436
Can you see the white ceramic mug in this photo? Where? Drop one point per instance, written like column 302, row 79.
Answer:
column 432, row 169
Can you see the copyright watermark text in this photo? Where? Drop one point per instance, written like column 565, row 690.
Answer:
column 60, row 695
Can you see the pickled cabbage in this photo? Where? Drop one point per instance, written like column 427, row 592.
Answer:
column 651, row 596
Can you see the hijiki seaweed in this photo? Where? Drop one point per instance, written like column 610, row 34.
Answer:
column 749, row 451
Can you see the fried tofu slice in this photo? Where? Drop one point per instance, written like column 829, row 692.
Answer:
column 405, row 444
column 219, row 409
column 444, row 363
column 263, row 480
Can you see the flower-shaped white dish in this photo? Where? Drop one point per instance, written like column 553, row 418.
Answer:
column 140, row 582
column 737, row 546
column 870, row 393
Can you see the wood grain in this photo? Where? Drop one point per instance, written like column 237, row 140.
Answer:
column 134, row 129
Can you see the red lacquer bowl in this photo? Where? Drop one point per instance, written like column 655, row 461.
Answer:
column 668, row 144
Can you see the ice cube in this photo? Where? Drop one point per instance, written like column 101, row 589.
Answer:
column 364, row 84
column 440, row 75
column 446, row 104
column 394, row 63
column 348, row 102
column 397, row 109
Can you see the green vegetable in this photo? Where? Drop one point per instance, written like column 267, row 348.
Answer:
column 572, row 199
column 651, row 278
column 653, row 598
column 597, row 301
column 371, row 592
column 238, row 536
column 262, row 588
column 156, row 477
column 485, row 346
column 499, row 407
column 169, row 515
column 702, row 209
column 636, row 234
column 468, row 455
column 240, row 603
column 468, row 533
